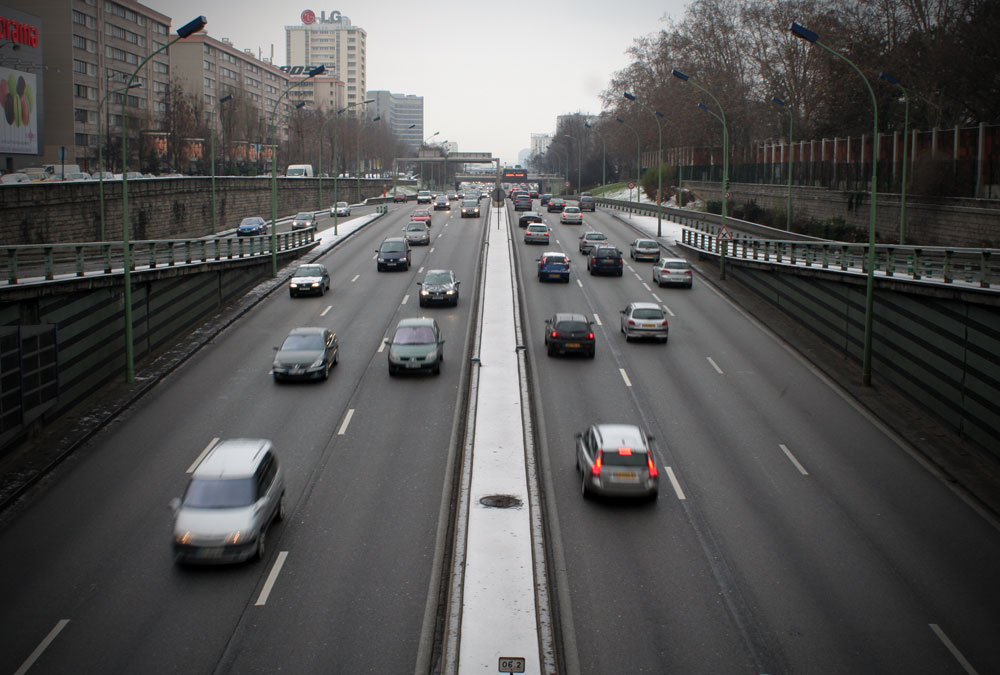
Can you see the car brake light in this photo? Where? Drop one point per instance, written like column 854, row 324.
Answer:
column 555, row 334
column 625, row 451
column 596, row 469
column 631, row 322
column 664, row 323
column 590, row 336
column 653, row 473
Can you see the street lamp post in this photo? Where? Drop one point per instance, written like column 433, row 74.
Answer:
column 395, row 165
column 184, row 31
column 788, row 198
column 906, row 144
column 227, row 97
column 318, row 70
column 725, row 146
column 604, row 156
column 357, row 141
column 725, row 142
column 659, row 162
column 638, row 155
column 579, row 185
column 866, row 362
column 100, row 153
column 336, row 170
column 322, row 131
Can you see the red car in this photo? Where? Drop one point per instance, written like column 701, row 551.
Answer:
column 422, row 215
column 399, row 198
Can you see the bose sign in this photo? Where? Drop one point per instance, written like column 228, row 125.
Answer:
column 309, row 17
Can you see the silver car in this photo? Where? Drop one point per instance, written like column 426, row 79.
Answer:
column 536, row 233
column 306, row 354
column 234, row 494
column 644, row 249
column 340, row 209
column 644, row 320
column 672, row 272
column 616, row 460
column 571, row 216
column 588, row 240
column 417, row 234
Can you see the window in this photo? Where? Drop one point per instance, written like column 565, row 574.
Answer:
column 160, row 87
column 126, row 35
column 209, row 66
column 159, row 28
column 122, row 12
column 120, row 55
column 161, row 68
column 83, row 139
column 80, row 115
column 209, row 83
column 84, row 68
column 83, row 43
column 83, row 91
column 159, row 106
column 84, row 19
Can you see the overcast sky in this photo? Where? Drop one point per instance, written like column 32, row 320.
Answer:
column 491, row 74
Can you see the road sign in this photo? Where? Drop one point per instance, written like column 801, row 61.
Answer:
column 729, row 195
column 631, row 185
column 566, row 183
column 724, row 234
column 511, row 664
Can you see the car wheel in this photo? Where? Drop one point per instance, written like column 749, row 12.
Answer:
column 336, row 356
column 665, row 340
column 620, row 272
column 552, row 350
column 455, row 303
column 583, row 487
column 591, row 353
column 392, row 370
column 280, row 515
column 261, row 546
column 437, row 367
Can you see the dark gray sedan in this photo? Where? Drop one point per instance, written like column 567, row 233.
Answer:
column 306, row 354
column 439, row 287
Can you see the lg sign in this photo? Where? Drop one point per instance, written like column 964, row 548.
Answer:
column 309, row 17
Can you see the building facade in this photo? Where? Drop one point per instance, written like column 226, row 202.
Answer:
column 87, row 50
column 404, row 112
column 330, row 41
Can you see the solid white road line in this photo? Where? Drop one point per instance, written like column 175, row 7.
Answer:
column 271, row 578
column 325, row 311
column 405, row 298
column 43, row 645
column 597, row 319
column 628, row 382
column 196, row 462
column 673, row 481
column 356, row 276
column 714, row 365
column 791, row 457
column 953, row 649
column 347, row 420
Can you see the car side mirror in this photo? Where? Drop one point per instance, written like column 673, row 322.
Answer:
column 275, row 348
column 420, row 283
column 175, row 504
column 650, row 438
column 458, row 283
column 622, row 311
column 578, row 435
column 386, row 341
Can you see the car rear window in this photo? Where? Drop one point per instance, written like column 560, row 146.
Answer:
column 629, row 458
column 554, row 260
column 645, row 243
column 676, row 265
column 413, row 335
column 595, row 236
column 572, row 326
column 219, row 493
column 647, row 314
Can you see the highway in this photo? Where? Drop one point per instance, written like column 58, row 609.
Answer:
column 792, row 533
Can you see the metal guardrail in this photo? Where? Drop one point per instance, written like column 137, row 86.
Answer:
column 750, row 241
column 26, row 264
column 977, row 267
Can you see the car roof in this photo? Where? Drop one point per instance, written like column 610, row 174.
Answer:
column 416, row 321
column 663, row 260
column 644, row 305
column 441, row 271
column 570, row 316
column 621, row 435
column 417, row 222
column 587, row 234
column 398, row 239
column 307, row 330
column 304, row 214
column 554, row 253
column 640, row 242
column 232, row 458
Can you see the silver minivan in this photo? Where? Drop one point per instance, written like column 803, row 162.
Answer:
column 235, row 493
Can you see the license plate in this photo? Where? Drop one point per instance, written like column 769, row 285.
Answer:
column 295, row 371
column 413, row 364
column 649, row 325
column 625, row 477
column 572, row 345
column 210, row 553
column 554, row 276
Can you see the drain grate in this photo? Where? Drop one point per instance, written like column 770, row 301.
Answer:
column 500, row 501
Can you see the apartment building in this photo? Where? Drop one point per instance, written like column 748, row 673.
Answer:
column 328, row 40
column 404, row 113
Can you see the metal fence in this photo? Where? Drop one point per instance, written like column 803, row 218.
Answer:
column 28, row 264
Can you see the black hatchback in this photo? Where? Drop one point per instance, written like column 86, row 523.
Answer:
column 567, row 333
column 393, row 254
column 605, row 260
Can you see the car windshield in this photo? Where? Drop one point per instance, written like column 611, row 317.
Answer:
column 249, row 221
column 436, row 278
column 303, row 216
column 219, row 493
column 392, row 247
column 416, row 227
column 295, row 343
column 647, row 313
column 413, row 335
column 309, row 271
column 470, row 202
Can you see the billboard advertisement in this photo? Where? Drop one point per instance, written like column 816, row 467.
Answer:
column 19, row 120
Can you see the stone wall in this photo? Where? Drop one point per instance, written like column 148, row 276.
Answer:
column 160, row 208
column 964, row 223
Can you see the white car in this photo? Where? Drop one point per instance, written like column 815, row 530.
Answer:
column 672, row 272
column 644, row 320
column 340, row 209
column 536, row 233
column 571, row 215
column 417, row 234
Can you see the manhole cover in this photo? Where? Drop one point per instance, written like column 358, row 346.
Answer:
column 500, row 501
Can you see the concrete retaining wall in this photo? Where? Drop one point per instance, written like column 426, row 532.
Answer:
column 965, row 223
column 160, row 208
